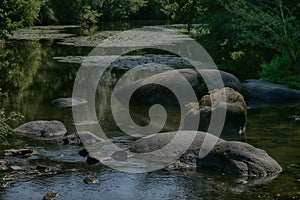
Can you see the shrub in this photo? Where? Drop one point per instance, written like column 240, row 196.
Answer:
column 277, row 70
column 5, row 119
column 280, row 70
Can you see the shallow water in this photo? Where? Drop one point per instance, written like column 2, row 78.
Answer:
column 44, row 79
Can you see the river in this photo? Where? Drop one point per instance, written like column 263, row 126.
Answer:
column 37, row 78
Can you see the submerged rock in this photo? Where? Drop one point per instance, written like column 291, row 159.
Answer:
column 43, row 169
column 91, row 157
column 82, row 138
column 42, row 129
column 68, row 102
column 51, row 195
column 260, row 93
column 236, row 158
column 234, row 107
column 20, row 153
column 90, row 180
column 150, row 92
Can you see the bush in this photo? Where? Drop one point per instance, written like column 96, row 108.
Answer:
column 5, row 119
column 277, row 70
column 280, row 70
column 16, row 14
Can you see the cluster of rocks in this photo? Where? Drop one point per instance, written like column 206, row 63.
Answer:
column 13, row 171
column 226, row 157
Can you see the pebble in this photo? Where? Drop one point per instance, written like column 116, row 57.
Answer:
column 90, row 180
column 51, row 195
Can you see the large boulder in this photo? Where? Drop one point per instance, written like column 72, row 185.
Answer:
column 149, row 90
column 234, row 107
column 240, row 159
column 68, row 102
column 235, row 158
column 42, row 129
column 158, row 141
column 262, row 93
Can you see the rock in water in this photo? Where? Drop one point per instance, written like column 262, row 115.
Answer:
column 240, row 159
column 236, row 158
column 42, row 129
column 68, row 102
column 158, row 141
column 150, row 92
column 234, row 107
column 83, row 137
column 260, row 93
column 21, row 153
column 90, row 180
column 51, row 195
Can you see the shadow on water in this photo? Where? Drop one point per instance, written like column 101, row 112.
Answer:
column 33, row 79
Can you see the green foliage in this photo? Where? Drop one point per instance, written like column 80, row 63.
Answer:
column 89, row 12
column 183, row 11
column 17, row 13
column 118, row 9
column 5, row 119
column 88, row 17
column 277, row 70
column 269, row 24
column 280, row 70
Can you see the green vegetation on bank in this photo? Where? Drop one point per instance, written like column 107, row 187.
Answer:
column 250, row 38
column 246, row 37
column 6, row 118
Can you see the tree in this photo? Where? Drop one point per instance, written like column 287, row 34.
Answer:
column 118, row 9
column 183, row 11
column 17, row 13
column 271, row 24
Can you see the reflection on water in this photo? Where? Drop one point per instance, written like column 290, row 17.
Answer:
column 34, row 79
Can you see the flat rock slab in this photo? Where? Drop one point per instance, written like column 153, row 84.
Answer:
column 259, row 93
column 68, row 102
column 20, row 153
column 42, row 129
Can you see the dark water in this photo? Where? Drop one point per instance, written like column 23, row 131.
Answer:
column 35, row 79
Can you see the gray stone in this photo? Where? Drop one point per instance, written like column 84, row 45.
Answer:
column 42, row 129
column 236, row 158
column 234, row 107
column 68, row 102
column 17, row 168
column 90, row 180
column 260, row 93
column 51, row 195
column 158, row 141
column 83, row 137
column 240, row 159
column 20, row 153
column 149, row 92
